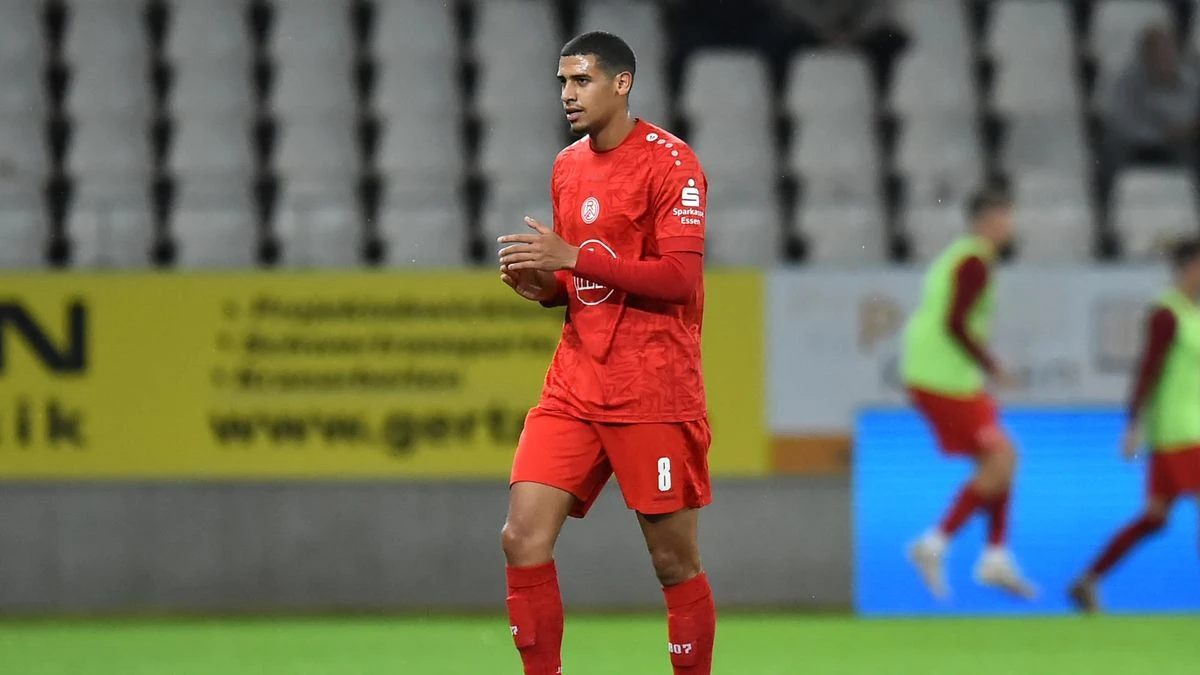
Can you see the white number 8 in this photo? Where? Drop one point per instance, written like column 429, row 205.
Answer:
column 664, row 474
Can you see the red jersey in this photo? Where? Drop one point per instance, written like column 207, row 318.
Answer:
column 625, row 358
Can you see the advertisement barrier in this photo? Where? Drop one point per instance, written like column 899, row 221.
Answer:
column 1070, row 335
column 1073, row 492
column 308, row 376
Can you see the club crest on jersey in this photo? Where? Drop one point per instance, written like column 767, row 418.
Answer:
column 590, row 210
column 590, row 292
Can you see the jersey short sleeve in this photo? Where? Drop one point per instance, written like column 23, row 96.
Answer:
column 680, row 201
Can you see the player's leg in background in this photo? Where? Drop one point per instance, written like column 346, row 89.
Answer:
column 1084, row 593
column 993, row 482
column 536, row 514
column 673, row 542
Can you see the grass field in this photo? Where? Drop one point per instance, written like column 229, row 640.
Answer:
column 746, row 645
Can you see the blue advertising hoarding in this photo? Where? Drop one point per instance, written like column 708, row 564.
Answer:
column 1073, row 492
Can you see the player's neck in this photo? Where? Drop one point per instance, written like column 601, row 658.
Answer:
column 1186, row 291
column 614, row 133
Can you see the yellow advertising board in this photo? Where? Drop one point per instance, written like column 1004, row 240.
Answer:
column 309, row 376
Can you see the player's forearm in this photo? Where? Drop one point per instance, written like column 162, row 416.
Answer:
column 958, row 329
column 672, row 278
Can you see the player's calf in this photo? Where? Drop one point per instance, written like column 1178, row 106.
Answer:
column 691, row 614
column 1084, row 593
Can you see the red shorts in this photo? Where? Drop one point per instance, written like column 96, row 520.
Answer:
column 958, row 423
column 661, row 467
column 1174, row 473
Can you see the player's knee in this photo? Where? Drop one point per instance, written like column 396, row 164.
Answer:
column 1155, row 518
column 524, row 545
column 1000, row 462
column 673, row 567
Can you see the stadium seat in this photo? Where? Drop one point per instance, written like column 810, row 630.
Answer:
column 436, row 95
column 214, row 226
column 843, row 221
column 933, row 73
column 829, row 84
column 209, row 31
column 213, row 89
column 1054, row 233
column 1036, row 86
column 517, row 45
column 110, row 148
column 111, row 230
column 522, row 144
column 1030, row 31
column 110, row 88
column 318, row 148
column 23, row 156
column 419, row 234
column 1054, row 217
column 430, row 147
column 212, row 148
column 932, row 225
column 835, row 145
column 1117, row 25
column 21, row 33
column 938, row 28
column 23, row 235
column 511, row 198
column 1045, row 141
column 109, row 31
column 419, row 32
column 1151, row 208
column 742, row 232
column 312, row 30
column 939, row 145
column 738, row 154
column 21, row 88
column 929, row 83
column 640, row 24
column 725, row 82
column 320, row 228
column 315, row 88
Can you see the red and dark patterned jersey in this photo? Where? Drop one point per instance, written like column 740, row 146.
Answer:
column 625, row 358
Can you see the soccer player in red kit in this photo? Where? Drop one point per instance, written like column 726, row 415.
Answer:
column 1166, row 401
column 624, row 394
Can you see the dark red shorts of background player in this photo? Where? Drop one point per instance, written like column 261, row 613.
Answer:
column 661, row 467
column 1174, row 473
column 957, row 423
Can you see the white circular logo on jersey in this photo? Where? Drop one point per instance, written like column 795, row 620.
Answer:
column 590, row 210
column 651, row 137
column 589, row 292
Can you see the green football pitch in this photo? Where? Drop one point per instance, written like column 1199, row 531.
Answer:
column 746, row 645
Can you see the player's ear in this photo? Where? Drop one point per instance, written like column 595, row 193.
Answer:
column 624, row 82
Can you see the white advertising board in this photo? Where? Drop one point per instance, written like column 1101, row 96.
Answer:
column 1072, row 336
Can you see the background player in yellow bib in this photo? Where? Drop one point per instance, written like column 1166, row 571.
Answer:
column 1165, row 405
column 945, row 366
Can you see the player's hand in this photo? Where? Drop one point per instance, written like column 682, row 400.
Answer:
column 1005, row 380
column 1131, row 444
column 544, row 250
column 532, row 285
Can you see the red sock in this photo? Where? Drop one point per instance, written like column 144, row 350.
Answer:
column 967, row 502
column 691, row 625
column 1121, row 544
column 997, row 510
column 535, row 616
